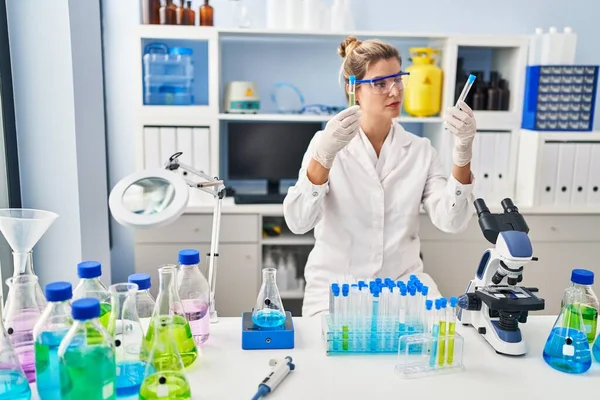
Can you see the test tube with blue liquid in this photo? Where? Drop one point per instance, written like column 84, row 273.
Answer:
column 466, row 89
column 435, row 331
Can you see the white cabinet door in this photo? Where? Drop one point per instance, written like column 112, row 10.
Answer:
column 161, row 142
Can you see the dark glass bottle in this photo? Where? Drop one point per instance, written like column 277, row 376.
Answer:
column 206, row 14
column 493, row 92
column 504, row 95
column 479, row 95
column 168, row 13
column 189, row 15
column 151, row 12
column 179, row 12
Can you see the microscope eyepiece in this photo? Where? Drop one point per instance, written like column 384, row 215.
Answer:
column 509, row 206
column 481, row 207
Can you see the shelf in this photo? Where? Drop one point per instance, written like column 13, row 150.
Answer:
column 177, row 32
column 291, row 294
column 307, row 118
column 270, row 34
column 289, row 240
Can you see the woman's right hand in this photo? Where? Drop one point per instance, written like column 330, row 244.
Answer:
column 339, row 131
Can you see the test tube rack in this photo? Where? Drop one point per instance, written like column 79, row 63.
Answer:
column 425, row 354
column 365, row 339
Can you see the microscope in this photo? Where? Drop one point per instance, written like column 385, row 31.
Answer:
column 493, row 303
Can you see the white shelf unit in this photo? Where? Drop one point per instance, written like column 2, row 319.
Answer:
column 259, row 117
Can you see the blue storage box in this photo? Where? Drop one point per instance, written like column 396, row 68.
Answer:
column 560, row 97
column 168, row 75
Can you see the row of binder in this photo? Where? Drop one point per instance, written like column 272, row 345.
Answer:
column 570, row 173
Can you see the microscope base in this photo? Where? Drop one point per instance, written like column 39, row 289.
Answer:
column 509, row 343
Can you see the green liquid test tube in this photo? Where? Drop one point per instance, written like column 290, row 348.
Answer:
column 442, row 343
column 352, row 91
column 451, row 331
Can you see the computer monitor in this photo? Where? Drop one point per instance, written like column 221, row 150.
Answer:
column 268, row 151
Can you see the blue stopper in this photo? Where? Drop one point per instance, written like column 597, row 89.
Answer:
column 58, row 291
column 428, row 304
column 345, row 289
column 89, row 269
column 412, row 290
column 86, row 308
column 376, row 293
column 352, row 79
column 378, row 280
column 335, row 285
column 471, row 78
column 453, row 301
column 189, row 257
column 403, row 290
column 335, row 290
column 419, row 286
column 361, row 284
column 443, row 302
column 412, row 278
column 437, row 304
column 425, row 290
column 142, row 280
column 582, row 277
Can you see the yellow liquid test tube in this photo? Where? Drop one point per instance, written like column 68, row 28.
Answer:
column 352, row 91
column 442, row 343
column 451, row 331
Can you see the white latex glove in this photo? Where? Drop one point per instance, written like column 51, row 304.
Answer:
column 461, row 122
column 338, row 132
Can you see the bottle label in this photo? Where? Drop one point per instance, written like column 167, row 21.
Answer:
column 108, row 390
column 568, row 350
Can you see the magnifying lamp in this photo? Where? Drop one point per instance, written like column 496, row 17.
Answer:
column 152, row 198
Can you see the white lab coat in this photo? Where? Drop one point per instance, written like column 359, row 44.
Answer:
column 366, row 217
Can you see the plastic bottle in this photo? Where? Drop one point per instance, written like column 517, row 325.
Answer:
column 90, row 285
column 144, row 301
column 582, row 281
column 21, row 316
column 549, row 54
column 194, row 293
column 535, row 47
column 569, row 46
column 87, row 365
column 268, row 311
column 49, row 331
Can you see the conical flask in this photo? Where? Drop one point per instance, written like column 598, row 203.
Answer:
column 567, row 348
column 126, row 329
column 164, row 377
column 21, row 316
column 13, row 383
column 22, row 228
column 268, row 311
column 168, row 303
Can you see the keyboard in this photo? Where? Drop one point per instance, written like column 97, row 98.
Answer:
column 258, row 198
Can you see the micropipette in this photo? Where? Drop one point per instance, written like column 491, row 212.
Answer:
column 465, row 91
column 280, row 369
column 352, row 91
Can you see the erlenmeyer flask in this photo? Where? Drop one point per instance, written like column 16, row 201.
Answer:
column 567, row 348
column 124, row 326
column 164, row 377
column 268, row 311
column 21, row 316
column 144, row 302
column 22, row 229
column 194, row 293
column 13, row 383
column 168, row 303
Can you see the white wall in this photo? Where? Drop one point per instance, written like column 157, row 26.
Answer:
column 59, row 106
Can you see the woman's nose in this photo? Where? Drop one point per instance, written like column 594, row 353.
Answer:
column 394, row 91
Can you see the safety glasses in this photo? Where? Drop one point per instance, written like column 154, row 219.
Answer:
column 384, row 84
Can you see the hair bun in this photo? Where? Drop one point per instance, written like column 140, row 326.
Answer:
column 349, row 44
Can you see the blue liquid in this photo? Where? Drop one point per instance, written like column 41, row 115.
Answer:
column 435, row 330
column 596, row 349
column 130, row 375
column 14, row 386
column 46, row 365
column 557, row 352
column 374, row 324
column 268, row 318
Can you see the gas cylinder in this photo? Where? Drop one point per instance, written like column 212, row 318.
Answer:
column 423, row 95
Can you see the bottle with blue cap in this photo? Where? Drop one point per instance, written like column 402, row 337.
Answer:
column 89, row 285
column 86, row 355
column 194, row 293
column 582, row 281
column 48, row 332
column 144, row 301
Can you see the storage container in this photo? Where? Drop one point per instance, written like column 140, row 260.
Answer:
column 168, row 75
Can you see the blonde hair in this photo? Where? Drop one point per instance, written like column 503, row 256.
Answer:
column 359, row 55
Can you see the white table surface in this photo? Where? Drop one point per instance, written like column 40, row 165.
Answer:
column 225, row 371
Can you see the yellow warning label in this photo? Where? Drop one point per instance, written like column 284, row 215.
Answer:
column 249, row 92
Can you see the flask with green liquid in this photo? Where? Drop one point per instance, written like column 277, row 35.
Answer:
column 582, row 281
column 89, row 285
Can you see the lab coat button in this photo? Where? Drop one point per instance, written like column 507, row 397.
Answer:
column 458, row 192
column 315, row 194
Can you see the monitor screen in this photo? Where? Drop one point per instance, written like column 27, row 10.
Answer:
column 271, row 151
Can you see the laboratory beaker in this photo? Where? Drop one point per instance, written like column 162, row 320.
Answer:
column 13, row 382
column 86, row 356
column 126, row 330
column 268, row 311
column 21, row 316
column 144, row 301
column 89, row 285
column 567, row 348
column 194, row 293
column 168, row 303
column 164, row 377
column 48, row 332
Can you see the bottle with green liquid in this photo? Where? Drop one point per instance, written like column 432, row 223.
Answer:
column 87, row 365
column 164, row 377
column 89, row 285
column 169, row 304
column 582, row 281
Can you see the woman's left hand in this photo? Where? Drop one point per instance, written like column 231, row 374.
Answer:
column 461, row 122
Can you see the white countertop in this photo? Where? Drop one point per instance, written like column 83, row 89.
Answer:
column 225, row 371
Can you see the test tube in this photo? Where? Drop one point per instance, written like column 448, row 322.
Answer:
column 424, row 293
column 435, row 330
column 344, row 318
column 331, row 299
column 336, row 316
column 429, row 315
column 410, row 309
column 352, row 91
column 442, row 337
column 451, row 329
column 466, row 89
column 354, row 313
column 374, row 317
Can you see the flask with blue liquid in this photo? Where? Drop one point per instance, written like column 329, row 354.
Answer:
column 48, row 332
column 268, row 311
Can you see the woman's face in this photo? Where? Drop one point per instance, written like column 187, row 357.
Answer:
column 374, row 98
